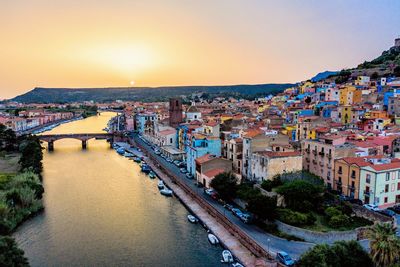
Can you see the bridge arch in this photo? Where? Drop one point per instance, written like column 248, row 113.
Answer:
column 84, row 137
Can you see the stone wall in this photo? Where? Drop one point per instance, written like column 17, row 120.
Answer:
column 375, row 217
column 319, row 237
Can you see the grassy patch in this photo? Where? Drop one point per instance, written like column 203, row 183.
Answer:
column 321, row 224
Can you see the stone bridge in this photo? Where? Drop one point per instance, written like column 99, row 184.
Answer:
column 84, row 137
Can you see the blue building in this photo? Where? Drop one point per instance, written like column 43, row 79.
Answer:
column 199, row 146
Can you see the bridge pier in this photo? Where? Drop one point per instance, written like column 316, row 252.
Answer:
column 50, row 146
column 84, row 144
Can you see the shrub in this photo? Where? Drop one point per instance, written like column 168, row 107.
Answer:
column 337, row 221
column 10, row 254
column 332, row 211
column 296, row 218
column 269, row 184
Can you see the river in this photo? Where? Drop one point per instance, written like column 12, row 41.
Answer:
column 100, row 210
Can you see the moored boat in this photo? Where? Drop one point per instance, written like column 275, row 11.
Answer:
column 121, row 150
column 213, row 239
column 227, row 256
column 192, row 219
column 152, row 175
column 160, row 185
column 146, row 168
column 166, row 192
column 237, row 264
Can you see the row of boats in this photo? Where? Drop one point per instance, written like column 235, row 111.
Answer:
column 213, row 239
column 145, row 168
column 227, row 256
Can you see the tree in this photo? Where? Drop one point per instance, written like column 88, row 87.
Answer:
column 8, row 139
column 385, row 245
column 32, row 155
column 262, row 206
column 301, row 195
column 346, row 254
column 10, row 254
column 225, row 184
column 396, row 71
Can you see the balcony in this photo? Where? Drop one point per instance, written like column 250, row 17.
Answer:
column 340, row 172
column 321, row 164
column 314, row 161
column 339, row 183
column 329, row 155
column 329, row 166
column 314, row 152
column 307, row 160
column 321, row 154
column 353, row 176
column 307, row 150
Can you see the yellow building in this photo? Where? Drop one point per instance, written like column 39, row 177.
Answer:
column 350, row 95
column 345, row 114
column 305, row 85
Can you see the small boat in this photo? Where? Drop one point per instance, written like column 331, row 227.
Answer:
column 166, row 192
column 137, row 159
column 227, row 256
column 237, row 264
column 160, row 185
column 152, row 175
column 213, row 239
column 128, row 155
column 192, row 219
column 146, row 168
column 121, row 150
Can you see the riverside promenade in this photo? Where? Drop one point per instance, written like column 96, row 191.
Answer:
column 224, row 234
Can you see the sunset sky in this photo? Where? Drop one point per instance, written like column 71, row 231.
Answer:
column 98, row 43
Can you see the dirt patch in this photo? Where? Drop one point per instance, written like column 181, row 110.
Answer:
column 9, row 163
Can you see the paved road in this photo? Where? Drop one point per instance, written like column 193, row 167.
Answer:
column 268, row 241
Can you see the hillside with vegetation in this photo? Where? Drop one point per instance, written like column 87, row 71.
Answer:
column 149, row 94
column 385, row 65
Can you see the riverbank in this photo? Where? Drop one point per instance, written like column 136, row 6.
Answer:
column 227, row 238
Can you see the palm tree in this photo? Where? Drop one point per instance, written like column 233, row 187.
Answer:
column 384, row 244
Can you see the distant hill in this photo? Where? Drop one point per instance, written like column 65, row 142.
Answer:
column 323, row 75
column 67, row 95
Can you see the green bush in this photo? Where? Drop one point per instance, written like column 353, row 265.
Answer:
column 296, row 218
column 337, row 221
column 10, row 254
column 269, row 184
column 332, row 211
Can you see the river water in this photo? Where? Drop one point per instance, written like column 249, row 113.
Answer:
column 100, row 210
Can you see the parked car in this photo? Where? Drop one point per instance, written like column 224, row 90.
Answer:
column 189, row 175
column 182, row 164
column 245, row 217
column 237, row 212
column 183, row 170
column 209, row 191
column 371, row 207
column 395, row 209
column 387, row 212
column 158, row 152
column 176, row 162
column 284, row 258
column 228, row 206
column 356, row 201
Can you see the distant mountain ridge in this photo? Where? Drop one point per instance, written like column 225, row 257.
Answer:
column 68, row 95
column 323, row 75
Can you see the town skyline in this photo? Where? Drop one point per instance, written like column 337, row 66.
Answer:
column 233, row 43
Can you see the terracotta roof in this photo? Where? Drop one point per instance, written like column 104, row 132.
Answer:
column 252, row 133
column 214, row 172
column 167, row 132
column 205, row 158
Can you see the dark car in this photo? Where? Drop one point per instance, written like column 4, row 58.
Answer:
column 228, row 206
column 395, row 209
column 356, row 201
column 387, row 212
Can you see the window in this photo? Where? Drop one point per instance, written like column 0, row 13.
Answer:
column 353, row 174
column 387, row 176
column 385, row 200
column 398, row 186
column 386, row 188
column 398, row 174
column 368, row 180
